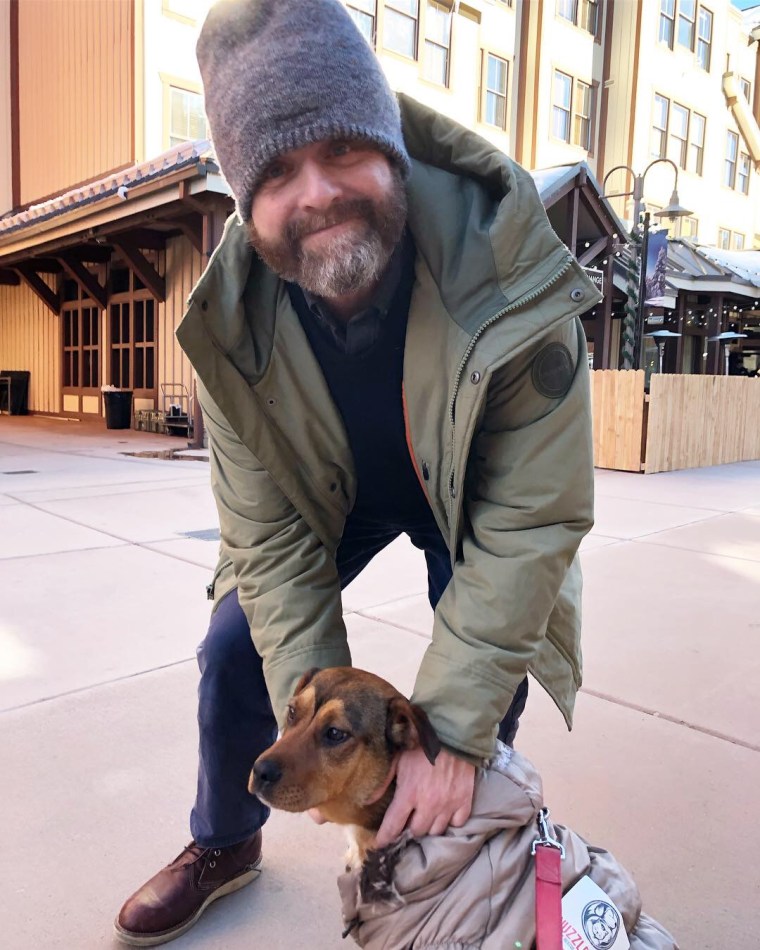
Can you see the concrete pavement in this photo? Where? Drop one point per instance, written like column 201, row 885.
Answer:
column 103, row 567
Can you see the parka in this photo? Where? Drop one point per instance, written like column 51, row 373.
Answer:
column 497, row 412
column 474, row 887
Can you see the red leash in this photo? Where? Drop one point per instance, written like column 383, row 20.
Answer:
column 548, row 853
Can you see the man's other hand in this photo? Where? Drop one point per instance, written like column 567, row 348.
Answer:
column 428, row 798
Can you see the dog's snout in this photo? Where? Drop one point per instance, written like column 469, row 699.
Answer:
column 266, row 773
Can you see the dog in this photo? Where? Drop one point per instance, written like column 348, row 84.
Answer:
column 473, row 886
column 344, row 731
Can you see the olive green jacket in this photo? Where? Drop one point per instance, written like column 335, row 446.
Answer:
column 499, row 429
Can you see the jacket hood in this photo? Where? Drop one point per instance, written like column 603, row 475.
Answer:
column 476, row 218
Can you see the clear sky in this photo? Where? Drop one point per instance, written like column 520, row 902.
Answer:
column 745, row 4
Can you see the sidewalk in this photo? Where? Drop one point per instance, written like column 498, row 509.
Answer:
column 103, row 603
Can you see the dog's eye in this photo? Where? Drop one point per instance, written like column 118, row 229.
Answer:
column 335, row 736
column 291, row 715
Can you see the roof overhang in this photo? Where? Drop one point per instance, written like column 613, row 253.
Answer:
column 162, row 192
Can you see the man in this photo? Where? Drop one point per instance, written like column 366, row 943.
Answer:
column 386, row 342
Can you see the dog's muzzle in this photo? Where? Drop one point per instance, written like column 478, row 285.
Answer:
column 266, row 774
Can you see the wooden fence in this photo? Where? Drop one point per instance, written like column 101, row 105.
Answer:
column 618, row 409
column 684, row 422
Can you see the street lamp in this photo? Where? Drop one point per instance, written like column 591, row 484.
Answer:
column 673, row 210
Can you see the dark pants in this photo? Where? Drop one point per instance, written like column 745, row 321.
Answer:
column 235, row 720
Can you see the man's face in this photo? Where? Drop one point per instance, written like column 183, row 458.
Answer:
column 328, row 216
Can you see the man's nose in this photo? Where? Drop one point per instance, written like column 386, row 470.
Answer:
column 317, row 188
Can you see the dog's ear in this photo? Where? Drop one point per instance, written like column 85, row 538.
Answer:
column 305, row 680
column 408, row 727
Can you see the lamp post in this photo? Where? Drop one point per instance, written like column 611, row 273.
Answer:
column 673, row 210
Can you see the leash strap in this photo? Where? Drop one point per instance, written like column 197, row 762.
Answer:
column 548, row 853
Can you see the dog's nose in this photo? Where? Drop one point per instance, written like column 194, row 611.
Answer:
column 267, row 773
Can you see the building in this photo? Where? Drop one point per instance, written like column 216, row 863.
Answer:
column 111, row 204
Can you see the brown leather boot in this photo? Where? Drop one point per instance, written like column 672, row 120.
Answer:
column 173, row 900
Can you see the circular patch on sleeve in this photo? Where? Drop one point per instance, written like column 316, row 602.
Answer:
column 553, row 371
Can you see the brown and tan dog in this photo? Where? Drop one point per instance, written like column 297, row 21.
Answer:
column 345, row 729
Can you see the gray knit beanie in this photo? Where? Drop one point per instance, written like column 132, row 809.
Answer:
column 281, row 74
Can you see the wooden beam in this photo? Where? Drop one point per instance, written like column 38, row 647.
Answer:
column 86, row 280
column 15, row 151
column 38, row 285
column 92, row 253
column 9, row 278
column 43, row 265
column 145, row 238
column 596, row 248
column 141, row 266
column 192, row 232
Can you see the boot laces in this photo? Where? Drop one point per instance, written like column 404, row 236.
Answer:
column 195, row 852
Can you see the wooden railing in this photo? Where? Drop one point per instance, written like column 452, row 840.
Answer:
column 684, row 422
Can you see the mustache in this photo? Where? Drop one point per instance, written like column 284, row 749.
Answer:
column 343, row 211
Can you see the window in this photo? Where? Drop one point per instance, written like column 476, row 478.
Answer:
column 572, row 108
column 437, row 43
column 494, row 109
column 660, row 126
column 687, row 10
column 582, row 115
column 80, row 323
column 582, row 13
column 724, row 239
column 742, row 174
column 589, row 16
column 187, row 120
column 746, row 88
column 704, row 38
column 667, row 21
column 732, row 152
column 400, row 30
column 562, row 97
column 132, row 333
column 687, row 228
column 364, row 14
column 738, row 241
column 697, row 142
column 679, row 132
column 188, row 11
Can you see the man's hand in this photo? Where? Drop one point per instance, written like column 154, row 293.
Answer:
column 432, row 796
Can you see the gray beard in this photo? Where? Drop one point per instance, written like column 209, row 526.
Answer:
column 345, row 266
column 350, row 261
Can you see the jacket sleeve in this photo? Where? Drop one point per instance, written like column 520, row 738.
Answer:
column 288, row 583
column 528, row 502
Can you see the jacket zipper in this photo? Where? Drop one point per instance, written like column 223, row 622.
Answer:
column 520, row 302
column 210, row 587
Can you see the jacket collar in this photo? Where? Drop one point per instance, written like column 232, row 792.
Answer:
column 476, row 219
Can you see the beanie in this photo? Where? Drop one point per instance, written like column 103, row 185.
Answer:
column 281, row 74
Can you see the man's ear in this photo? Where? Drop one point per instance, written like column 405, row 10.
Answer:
column 305, row 680
column 408, row 727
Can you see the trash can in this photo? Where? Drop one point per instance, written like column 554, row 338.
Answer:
column 118, row 408
column 14, row 391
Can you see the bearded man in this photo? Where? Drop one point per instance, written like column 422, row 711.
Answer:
column 386, row 342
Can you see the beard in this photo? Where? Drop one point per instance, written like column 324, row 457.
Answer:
column 351, row 260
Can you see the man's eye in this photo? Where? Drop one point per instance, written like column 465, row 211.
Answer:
column 335, row 736
column 340, row 148
column 273, row 171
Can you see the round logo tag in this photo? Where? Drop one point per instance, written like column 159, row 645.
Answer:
column 601, row 923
